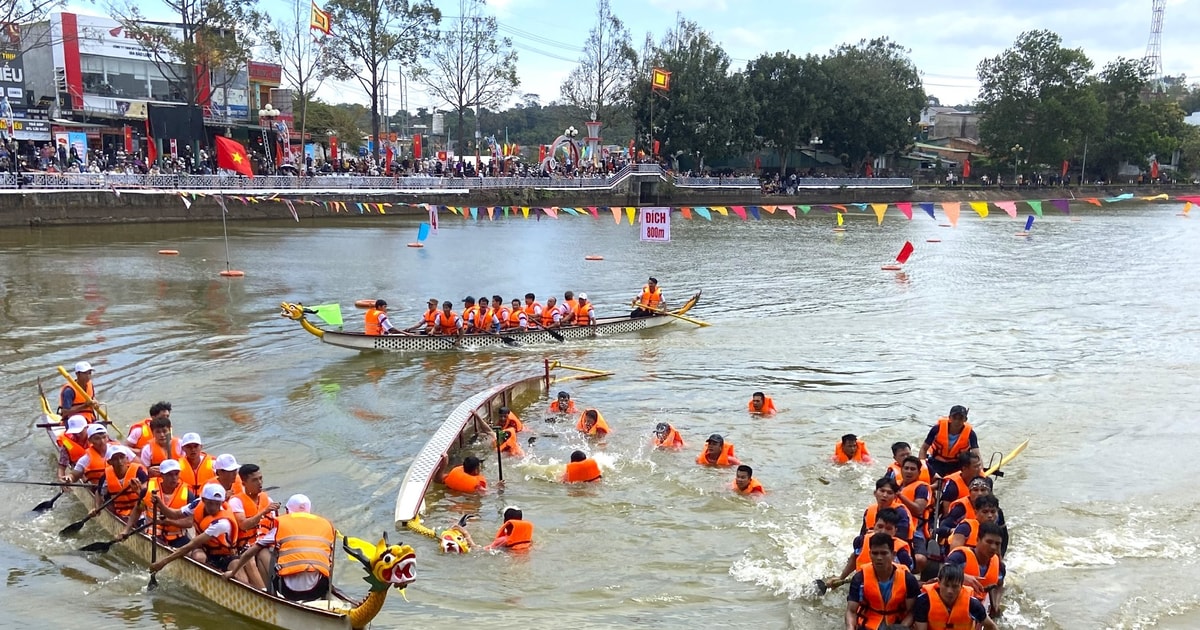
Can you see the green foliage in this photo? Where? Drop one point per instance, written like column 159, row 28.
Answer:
column 348, row 122
column 791, row 101
column 600, row 84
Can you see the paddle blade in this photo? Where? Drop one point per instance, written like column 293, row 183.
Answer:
column 153, row 582
column 422, row 232
column 72, row 528
column 820, row 586
column 99, row 547
column 329, row 313
column 46, row 505
column 1029, row 223
column 905, row 252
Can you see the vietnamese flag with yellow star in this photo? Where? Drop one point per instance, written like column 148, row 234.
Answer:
column 232, row 155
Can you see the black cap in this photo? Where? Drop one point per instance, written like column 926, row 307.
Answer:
column 958, row 410
column 715, row 438
column 469, row 300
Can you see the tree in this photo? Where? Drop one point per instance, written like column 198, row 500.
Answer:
column 345, row 120
column 790, row 95
column 470, row 66
column 600, row 83
column 368, row 34
column 874, row 101
column 1035, row 94
column 301, row 57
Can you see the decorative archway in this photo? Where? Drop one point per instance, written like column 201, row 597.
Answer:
column 569, row 147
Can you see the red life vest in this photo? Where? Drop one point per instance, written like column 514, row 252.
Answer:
column 584, row 471
column 873, row 611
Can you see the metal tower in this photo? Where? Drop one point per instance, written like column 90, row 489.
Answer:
column 1153, row 58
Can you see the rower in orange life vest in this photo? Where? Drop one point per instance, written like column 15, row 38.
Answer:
column 592, row 424
column 303, row 545
column 563, row 404
column 583, row 314
column 882, row 593
column 124, row 482
column 503, row 313
column 72, row 444
column 666, row 437
column 552, row 314
column 581, row 469
column 947, row 604
column 851, row 449
column 947, row 439
column 983, row 569
column 516, row 533
column 569, row 305
column 917, row 497
column 648, row 301
column 717, row 452
column 71, row 402
column 425, row 326
column 376, row 321
column 885, row 497
column 987, row 510
column 91, row 465
column 901, row 451
column 139, row 434
column 761, row 404
column 168, row 492
column 957, row 485
column 254, row 509
column 216, row 527
column 226, row 468
column 465, row 478
column 447, row 322
column 508, row 443
column 886, row 521
column 533, row 309
column 488, row 319
column 197, row 466
column 517, row 319
column 470, row 315
column 161, row 446
column 744, row 482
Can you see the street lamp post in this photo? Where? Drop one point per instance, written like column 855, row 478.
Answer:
column 1016, row 151
column 268, row 113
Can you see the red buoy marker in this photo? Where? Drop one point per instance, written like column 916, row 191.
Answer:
column 233, row 273
column 901, row 258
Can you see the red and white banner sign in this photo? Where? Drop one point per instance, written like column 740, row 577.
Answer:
column 656, row 224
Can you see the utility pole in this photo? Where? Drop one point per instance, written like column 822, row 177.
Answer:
column 475, row 41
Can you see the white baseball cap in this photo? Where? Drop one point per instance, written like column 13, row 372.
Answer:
column 213, row 492
column 76, row 424
column 168, row 466
column 226, row 462
column 191, row 438
column 94, row 429
column 83, row 366
column 299, row 503
column 583, row 296
column 113, row 451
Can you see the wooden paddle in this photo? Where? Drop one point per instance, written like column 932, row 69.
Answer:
column 153, row 540
column 552, row 333
column 508, row 341
column 675, row 315
column 49, row 504
column 78, row 525
column 88, row 399
column 102, row 547
column 59, row 484
column 824, row 587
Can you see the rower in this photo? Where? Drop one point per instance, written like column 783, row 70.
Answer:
column 987, row 510
column 303, row 543
column 72, row 444
column 168, row 492
column 509, row 444
column 533, row 309
column 666, row 437
column 885, row 497
column 570, row 302
column 886, row 521
column 447, row 322
column 592, row 424
column 584, row 314
column 983, row 569
column 947, row 439
column 900, row 452
column 124, row 482
column 139, row 434
column 744, row 482
column 552, row 314
column 162, row 446
column 517, row 319
column 851, row 449
column 465, row 478
column 717, row 452
column 253, row 508
column 216, row 529
column 425, row 326
column 503, row 313
column 917, row 498
column 226, row 468
column 509, row 420
column 72, row 402
column 91, row 465
column 376, row 321
column 581, row 469
column 470, row 315
column 649, row 301
column 563, row 404
column 882, row 592
column 947, row 604
column 196, row 467
column 957, row 485
column 488, row 321
column 515, row 534
column 761, row 404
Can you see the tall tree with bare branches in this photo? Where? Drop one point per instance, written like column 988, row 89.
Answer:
column 600, row 84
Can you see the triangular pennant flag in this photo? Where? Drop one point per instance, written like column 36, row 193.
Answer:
column 329, row 313
column 805, row 209
column 571, row 211
column 525, row 211
column 1159, row 197
column 928, row 208
column 769, row 209
column 292, row 208
column 791, row 210
column 491, row 213
column 1092, row 200
column 506, row 210
column 360, row 208
column 686, row 212
column 1009, row 207
column 551, row 212
column 592, row 210
column 905, row 208
column 1036, row 206
column 721, row 210
column 905, row 252
column 754, row 212
column 980, row 208
column 1061, row 204
column 880, row 209
column 839, row 207
column 186, row 203
column 1194, row 200
column 860, row 206
column 631, row 212
column 951, row 208
column 475, row 213
column 616, row 214
column 702, row 211
column 839, row 218
column 740, row 211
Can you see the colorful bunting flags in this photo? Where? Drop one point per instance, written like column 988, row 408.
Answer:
column 1061, row 204
column 1009, row 207
column 1036, row 206
column 739, row 211
column 704, row 213
column 980, row 208
column 951, row 208
column 928, row 208
column 880, row 209
column 905, row 209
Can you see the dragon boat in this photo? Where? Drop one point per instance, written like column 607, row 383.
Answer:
column 388, row 566
column 603, row 327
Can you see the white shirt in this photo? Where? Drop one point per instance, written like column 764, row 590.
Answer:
column 302, row 581
column 216, row 528
column 385, row 323
column 135, row 436
column 176, row 454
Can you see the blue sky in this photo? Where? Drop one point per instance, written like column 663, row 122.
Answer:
column 947, row 39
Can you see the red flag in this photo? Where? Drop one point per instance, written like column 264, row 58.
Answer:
column 151, row 150
column 967, row 167
column 541, row 153
column 232, row 155
column 1066, row 167
column 333, row 148
column 905, row 252
column 388, row 159
column 1154, row 169
column 656, row 146
column 417, row 146
column 870, row 171
column 128, row 131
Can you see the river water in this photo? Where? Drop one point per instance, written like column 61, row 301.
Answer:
column 1082, row 338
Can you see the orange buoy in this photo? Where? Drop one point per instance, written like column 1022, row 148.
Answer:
column 1075, row 219
column 839, row 229
column 933, row 240
column 890, row 267
column 416, row 245
column 233, row 273
column 945, row 225
column 364, row 303
column 1021, row 234
column 169, row 252
column 593, row 257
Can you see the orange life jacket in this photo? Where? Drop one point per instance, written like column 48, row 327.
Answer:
column 195, row 479
column 600, row 427
column 973, row 536
column 252, row 507
column 511, row 446
column 90, row 388
column 968, row 508
column 74, row 449
column 873, row 509
column 586, row 470
column 305, row 542
column 94, row 471
column 989, row 578
column 176, row 501
column 896, row 473
column 486, row 317
column 961, row 484
column 223, row 545
column 533, row 310
column 519, row 533
column 556, row 408
column 470, row 317
column 145, row 436
column 503, row 314
column 671, row 440
column 864, row 554
column 941, row 449
column 126, row 493
column 371, row 325
column 910, row 492
column 512, row 422
column 429, row 318
column 873, row 611
column 651, row 298
column 584, row 314
column 722, row 459
column 157, row 454
column 548, row 316
column 861, row 456
column 957, row 617
column 768, row 406
column 447, row 324
column 571, row 305
column 514, row 318
column 753, row 488
column 457, row 479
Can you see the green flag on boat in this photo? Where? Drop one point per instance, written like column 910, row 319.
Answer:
column 329, row 313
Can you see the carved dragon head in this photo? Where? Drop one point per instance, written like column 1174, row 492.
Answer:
column 292, row 311
column 387, row 565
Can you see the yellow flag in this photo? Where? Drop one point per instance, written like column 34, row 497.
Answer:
column 980, row 208
column 721, row 210
column 880, row 209
column 1187, row 207
column 839, row 216
column 525, row 211
column 630, row 212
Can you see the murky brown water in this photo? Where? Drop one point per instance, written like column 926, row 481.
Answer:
column 1082, row 338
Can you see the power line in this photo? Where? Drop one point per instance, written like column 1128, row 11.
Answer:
column 542, row 52
column 538, row 38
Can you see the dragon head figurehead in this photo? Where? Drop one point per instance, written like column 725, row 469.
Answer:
column 453, row 540
column 387, row 565
column 292, row 311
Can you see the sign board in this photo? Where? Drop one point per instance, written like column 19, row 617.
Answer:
column 109, row 38
column 261, row 72
column 12, row 76
column 656, row 224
